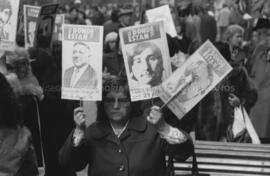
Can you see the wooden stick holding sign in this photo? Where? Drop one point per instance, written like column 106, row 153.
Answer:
column 187, row 82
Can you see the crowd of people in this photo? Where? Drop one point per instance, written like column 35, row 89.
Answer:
column 132, row 138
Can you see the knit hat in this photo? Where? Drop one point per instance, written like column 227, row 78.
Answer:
column 112, row 36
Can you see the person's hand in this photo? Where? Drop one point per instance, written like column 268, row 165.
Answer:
column 234, row 100
column 106, row 75
column 155, row 116
column 79, row 118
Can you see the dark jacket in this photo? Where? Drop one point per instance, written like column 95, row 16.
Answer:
column 139, row 151
column 216, row 115
column 87, row 80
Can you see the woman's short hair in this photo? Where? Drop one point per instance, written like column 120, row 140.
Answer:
column 116, row 84
column 10, row 115
column 231, row 31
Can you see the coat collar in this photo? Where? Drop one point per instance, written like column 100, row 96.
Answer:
column 102, row 129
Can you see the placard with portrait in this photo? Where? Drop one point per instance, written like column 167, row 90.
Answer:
column 82, row 48
column 207, row 68
column 30, row 21
column 146, row 58
column 8, row 24
column 45, row 27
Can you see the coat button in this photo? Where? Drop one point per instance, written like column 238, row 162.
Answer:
column 122, row 168
column 119, row 151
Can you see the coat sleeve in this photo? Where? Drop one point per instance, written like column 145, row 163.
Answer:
column 74, row 158
column 181, row 151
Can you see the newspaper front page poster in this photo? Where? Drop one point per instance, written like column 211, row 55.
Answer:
column 162, row 13
column 8, row 24
column 207, row 67
column 45, row 27
column 146, row 59
column 30, row 21
column 82, row 62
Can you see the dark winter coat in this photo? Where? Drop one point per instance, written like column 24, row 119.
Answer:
column 215, row 116
column 138, row 151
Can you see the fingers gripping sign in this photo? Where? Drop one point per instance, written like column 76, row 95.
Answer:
column 79, row 118
column 155, row 115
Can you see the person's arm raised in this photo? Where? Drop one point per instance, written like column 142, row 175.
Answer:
column 179, row 143
column 75, row 153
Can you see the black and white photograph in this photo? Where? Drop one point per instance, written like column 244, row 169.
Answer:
column 30, row 21
column 146, row 59
column 134, row 87
column 8, row 24
column 82, row 62
column 45, row 27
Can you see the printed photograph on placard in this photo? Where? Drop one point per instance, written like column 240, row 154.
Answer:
column 45, row 27
column 57, row 33
column 162, row 13
column 146, row 58
column 30, row 21
column 82, row 62
column 8, row 24
column 205, row 68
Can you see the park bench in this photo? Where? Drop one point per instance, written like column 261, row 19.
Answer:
column 228, row 159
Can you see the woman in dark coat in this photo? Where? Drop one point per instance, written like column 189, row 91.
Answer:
column 216, row 110
column 121, row 143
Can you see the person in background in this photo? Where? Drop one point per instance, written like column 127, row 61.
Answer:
column 223, row 21
column 216, row 109
column 110, row 42
column 120, row 142
column 28, row 91
column 260, row 74
column 73, row 15
column 17, row 154
column 234, row 37
column 125, row 17
column 208, row 27
column 113, row 24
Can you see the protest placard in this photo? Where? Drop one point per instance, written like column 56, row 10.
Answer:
column 82, row 62
column 30, row 20
column 146, row 59
column 207, row 67
column 8, row 24
column 45, row 27
column 57, row 33
column 162, row 13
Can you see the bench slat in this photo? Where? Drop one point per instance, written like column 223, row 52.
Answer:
column 233, row 154
column 184, row 173
column 215, row 167
column 233, row 148
column 229, row 161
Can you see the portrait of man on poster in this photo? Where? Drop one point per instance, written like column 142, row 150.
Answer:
column 81, row 75
column 5, row 15
column 31, row 32
column 146, row 64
